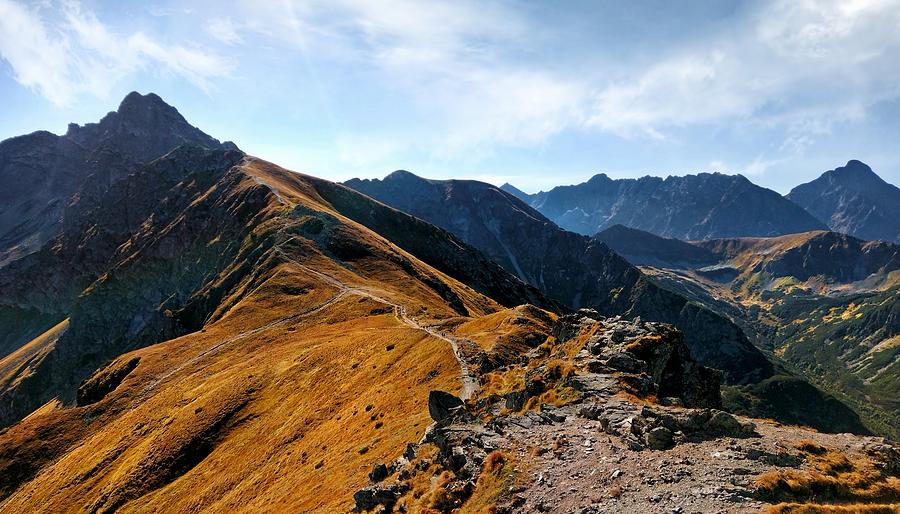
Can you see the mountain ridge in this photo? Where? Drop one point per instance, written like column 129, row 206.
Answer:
column 701, row 206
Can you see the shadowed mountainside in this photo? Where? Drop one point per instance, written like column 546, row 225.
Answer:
column 853, row 200
column 571, row 268
column 645, row 249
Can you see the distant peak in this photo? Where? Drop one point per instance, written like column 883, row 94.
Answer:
column 136, row 103
column 599, row 177
column 856, row 165
column 854, row 170
column 402, row 175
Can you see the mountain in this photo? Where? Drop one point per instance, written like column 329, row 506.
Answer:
column 853, row 200
column 43, row 173
column 825, row 303
column 573, row 269
column 513, row 190
column 691, row 207
column 216, row 333
column 209, row 319
column 824, row 255
column 645, row 249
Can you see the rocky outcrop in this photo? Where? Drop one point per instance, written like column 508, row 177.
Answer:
column 655, row 352
column 105, row 380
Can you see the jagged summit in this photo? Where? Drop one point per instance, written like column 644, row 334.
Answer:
column 701, row 206
column 144, row 127
column 41, row 172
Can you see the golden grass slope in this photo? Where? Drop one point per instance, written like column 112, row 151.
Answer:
column 310, row 372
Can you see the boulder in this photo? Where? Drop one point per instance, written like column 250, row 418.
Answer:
column 371, row 497
column 659, row 438
column 379, row 472
column 443, row 406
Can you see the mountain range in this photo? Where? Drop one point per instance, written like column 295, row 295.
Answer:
column 185, row 327
column 580, row 272
column 852, row 200
column 823, row 302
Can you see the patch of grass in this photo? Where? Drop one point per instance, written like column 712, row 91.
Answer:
column 498, row 476
column 832, row 477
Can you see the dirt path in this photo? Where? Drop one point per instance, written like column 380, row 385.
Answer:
column 469, row 382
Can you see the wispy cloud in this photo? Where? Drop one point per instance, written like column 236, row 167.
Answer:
column 66, row 51
column 800, row 65
column 461, row 81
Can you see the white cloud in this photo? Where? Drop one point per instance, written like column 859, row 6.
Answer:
column 225, row 30
column 800, row 65
column 66, row 54
column 449, row 59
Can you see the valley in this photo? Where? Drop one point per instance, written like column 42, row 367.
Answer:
column 191, row 328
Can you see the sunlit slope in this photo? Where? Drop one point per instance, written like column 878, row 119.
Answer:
column 290, row 416
column 314, row 362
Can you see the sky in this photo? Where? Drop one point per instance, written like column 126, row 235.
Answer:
column 537, row 94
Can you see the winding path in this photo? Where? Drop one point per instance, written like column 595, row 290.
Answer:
column 469, row 382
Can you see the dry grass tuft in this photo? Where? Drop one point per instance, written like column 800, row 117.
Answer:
column 498, row 476
column 833, row 477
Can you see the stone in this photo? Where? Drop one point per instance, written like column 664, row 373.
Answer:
column 379, row 472
column 723, row 423
column 625, row 362
column 659, row 438
column 442, row 406
column 368, row 498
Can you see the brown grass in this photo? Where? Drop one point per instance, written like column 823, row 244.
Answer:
column 832, row 477
column 498, row 476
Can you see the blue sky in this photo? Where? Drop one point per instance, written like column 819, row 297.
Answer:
column 534, row 93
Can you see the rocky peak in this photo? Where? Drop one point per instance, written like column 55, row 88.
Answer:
column 854, row 174
column 854, row 200
column 143, row 128
column 403, row 175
